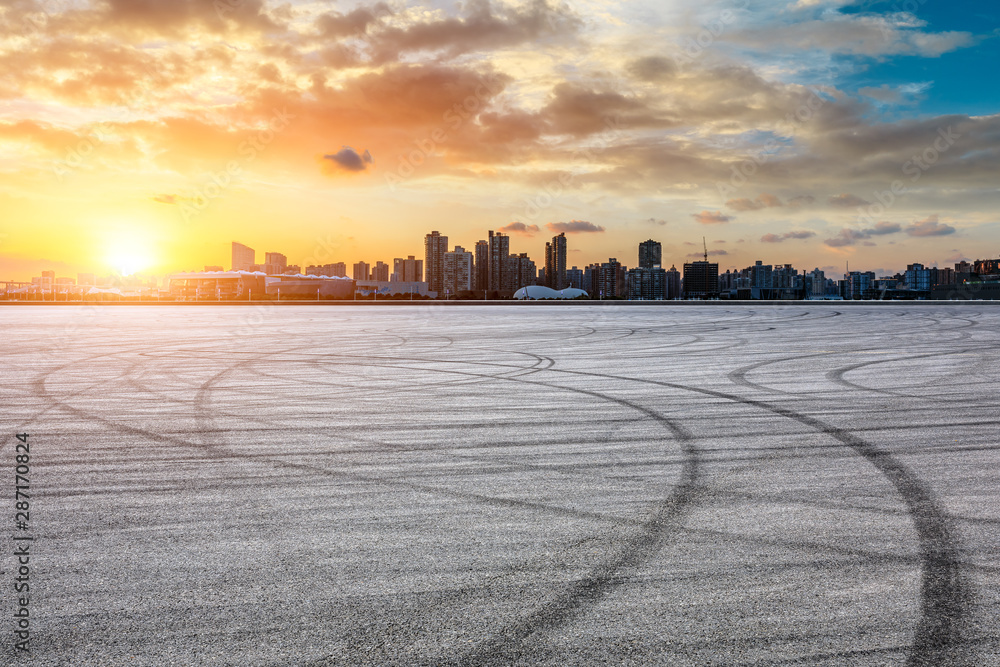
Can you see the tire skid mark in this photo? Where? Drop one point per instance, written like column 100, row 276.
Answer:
column 945, row 595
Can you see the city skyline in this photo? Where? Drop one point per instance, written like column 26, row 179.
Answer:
column 138, row 137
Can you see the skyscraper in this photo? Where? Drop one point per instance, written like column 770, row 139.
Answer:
column 649, row 254
column 435, row 247
column 244, row 257
column 555, row 262
column 482, row 268
column 673, row 283
column 499, row 251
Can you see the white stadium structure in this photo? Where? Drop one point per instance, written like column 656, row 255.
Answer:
column 542, row 292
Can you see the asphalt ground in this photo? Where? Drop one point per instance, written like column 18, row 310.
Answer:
column 425, row 485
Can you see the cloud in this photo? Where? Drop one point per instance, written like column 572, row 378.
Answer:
column 797, row 234
column 847, row 200
column 764, row 200
column 573, row 227
column 165, row 199
column 656, row 221
column 519, row 229
column 711, row 253
column 849, row 237
column 801, row 200
column 710, row 218
column 652, row 68
column 930, row 227
column 348, row 159
column 907, row 93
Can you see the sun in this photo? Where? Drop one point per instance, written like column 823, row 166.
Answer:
column 129, row 253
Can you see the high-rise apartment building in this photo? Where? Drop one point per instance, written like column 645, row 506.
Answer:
column 499, row 252
column 482, row 266
column 380, row 272
column 458, row 272
column 647, row 284
column 361, row 271
column 244, row 257
column 574, row 278
column 275, row 263
column 521, row 272
column 555, row 262
column 673, row 283
column 610, row 280
column 435, row 247
column 650, row 253
column 409, row 270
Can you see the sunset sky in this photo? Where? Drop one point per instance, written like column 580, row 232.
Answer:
column 143, row 135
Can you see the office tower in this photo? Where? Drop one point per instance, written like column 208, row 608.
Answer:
column 521, row 272
column 435, row 247
column 649, row 254
column 409, row 270
column 555, row 262
column 380, row 272
column 499, row 252
column 701, row 280
column 275, row 263
column 458, row 272
column 244, row 257
column 361, row 271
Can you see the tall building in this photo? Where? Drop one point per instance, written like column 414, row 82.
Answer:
column 409, row 270
column 610, row 282
column 521, row 272
column 701, row 280
column 380, row 272
column 482, row 266
column 918, row 277
column 275, row 263
column 673, row 283
column 361, row 271
column 650, row 253
column 555, row 262
column 818, row 282
column 574, row 278
column 458, row 272
column 499, row 252
column 435, row 247
column 647, row 284
column 244, row 257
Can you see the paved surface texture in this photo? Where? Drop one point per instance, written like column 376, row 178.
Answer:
column 804, row 485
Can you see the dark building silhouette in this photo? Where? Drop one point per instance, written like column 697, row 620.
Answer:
column 650, row 253
column 701, row 280
column 435, row 247
column 555, row 262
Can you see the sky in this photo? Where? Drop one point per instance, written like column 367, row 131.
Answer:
column 146, row 136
